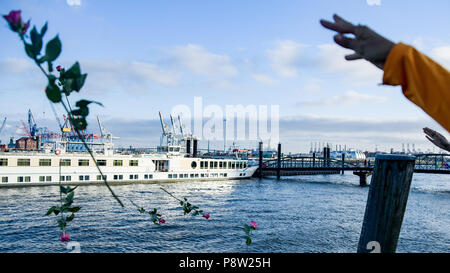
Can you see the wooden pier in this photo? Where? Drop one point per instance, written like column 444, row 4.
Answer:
column 325, row 165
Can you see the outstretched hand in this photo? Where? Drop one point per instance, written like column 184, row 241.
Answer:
column 437, row 139
column 367, row 44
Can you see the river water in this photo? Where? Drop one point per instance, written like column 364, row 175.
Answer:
column 296, row 214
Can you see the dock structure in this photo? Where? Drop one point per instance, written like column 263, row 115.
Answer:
column 323, row 164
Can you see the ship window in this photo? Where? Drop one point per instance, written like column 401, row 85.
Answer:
column 170, row 176
column 99, row 177
column 211, row 164
column 64, row 162
column 118, row 162
column 83, row 162
column 150, row 176
column 3, row 162
column 175, row 176
column 4, row 179
column 194, row 164
column 192, row 175
column 201, row 164
column 20, row 179
column 62, row 178
column 86, row 177
column 145, row 176
column 48, row 178
column 202, row 175
column 196, row 175
column 221, row 165
column 23, row 162
column 101, row 162
column 134, row 163
column 224, row 175
column 229, row 165
column 68, row 178
column 136, row 176
column 215, row 165
column 131, row 176
column 115, row 177
column 45, row 162
column 81, row 178
column 41, row 178
column 120, row 177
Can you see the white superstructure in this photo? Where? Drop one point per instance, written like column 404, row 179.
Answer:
column 170, row 163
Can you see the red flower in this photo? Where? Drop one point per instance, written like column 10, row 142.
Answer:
column 64, row 237
column 253, row 224
column 206, row 215
column 162, row 221
column 15, row 22
column 58, row 68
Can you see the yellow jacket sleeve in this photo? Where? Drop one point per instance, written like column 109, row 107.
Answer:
column 423, row 81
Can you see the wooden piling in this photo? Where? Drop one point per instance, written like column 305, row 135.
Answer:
column 386, row 202
column 343, row 160
column 279, row 161
column 260, row 160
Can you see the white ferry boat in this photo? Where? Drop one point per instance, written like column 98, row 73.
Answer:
column 170, row 163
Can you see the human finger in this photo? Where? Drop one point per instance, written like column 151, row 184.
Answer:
column 354, row 56
column 345, row 41
column 341, row 26
column 430, row 139
column 346, row 26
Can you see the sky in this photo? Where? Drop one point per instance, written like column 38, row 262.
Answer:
column 148, row 56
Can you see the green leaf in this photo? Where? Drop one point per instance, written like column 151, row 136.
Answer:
column 53, row 49
column 50, row 211
column 72, row 73
column 43, row 30
column 62, row 224
column 78, row 83
column 36, row 41
column 79, row 123
column 248, row 241
column 72, row 189
column 69, row 198
column 53, row 92
column 247, row 229
column 74, row 209
column 70, row 218
column 64, row 189
column 29, row 51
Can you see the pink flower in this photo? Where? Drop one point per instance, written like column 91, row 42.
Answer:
column 58, row 68
column 13, row 18
column 15, row 22
column 206, row 215
column 253, row 224
column 64, row 237
column 162, row 221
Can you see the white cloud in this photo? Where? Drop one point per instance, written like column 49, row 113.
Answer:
column 442, row 55
column 331, row 59
column 201, row 62
column 15, row 65
column 128, row 76
column 263, row 78
column 73, row 2
column 285, row 58
column 350, row 97
column 373, row 2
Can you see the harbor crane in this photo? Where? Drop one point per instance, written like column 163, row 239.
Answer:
column 103, row 133
column 3, row 126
